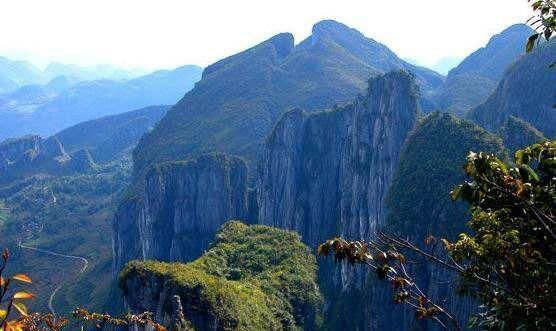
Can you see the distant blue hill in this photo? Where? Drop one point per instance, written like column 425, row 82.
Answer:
column 14, row 74
column 46, row 109
column 476, row 77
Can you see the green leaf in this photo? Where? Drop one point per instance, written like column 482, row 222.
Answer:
column 528, row 173
column 456, row 193
column 21, row 308
column 531, row 42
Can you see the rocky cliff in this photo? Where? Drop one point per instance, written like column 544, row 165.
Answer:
column 181, row 207
column 327, row 173
column 33, row 156
column 252, row 278
column 234, row 107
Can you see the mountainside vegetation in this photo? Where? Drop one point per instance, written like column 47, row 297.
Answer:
column 517, row 133
column 430, row 166
column 476, row 77
column 526, row 91
column 67, row 215
column 252, row 278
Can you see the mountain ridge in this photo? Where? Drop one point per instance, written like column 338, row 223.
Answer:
column 239, row 99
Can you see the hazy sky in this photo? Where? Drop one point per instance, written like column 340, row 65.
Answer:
column 167, row 33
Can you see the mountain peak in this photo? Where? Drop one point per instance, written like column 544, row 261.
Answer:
column 275, row 48
column 339, row 32
column 331, row 25
column 502, row 50
column 283, row 44
column 517, row 28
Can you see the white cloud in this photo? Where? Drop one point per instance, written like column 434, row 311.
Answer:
column 168, row 33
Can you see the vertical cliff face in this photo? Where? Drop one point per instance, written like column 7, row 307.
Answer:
column 182, row 206
column 326, row 174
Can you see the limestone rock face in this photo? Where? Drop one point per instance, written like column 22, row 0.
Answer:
column 183, row 205
column 326, row 174
column 31, row 155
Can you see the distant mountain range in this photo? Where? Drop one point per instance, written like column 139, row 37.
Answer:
column 475, row 78
column 15, row 74
column 77, row 149
column 527, row 91
column 46, row 109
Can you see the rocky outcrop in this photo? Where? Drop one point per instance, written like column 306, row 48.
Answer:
column 253, row 278
column 33, row 156
column 326, row 174
column 182, row 206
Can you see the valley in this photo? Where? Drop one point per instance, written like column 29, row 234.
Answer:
column 203, row 195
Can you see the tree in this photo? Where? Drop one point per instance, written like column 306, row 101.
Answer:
column 543, row 22
column 507, row 260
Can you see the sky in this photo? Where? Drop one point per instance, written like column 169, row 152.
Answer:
column 153, row 34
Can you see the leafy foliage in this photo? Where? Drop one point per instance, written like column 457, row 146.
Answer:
column 544, row 22
column 513, row 240
column 253, row 278
column 11, row 302
column 506, row 261
column 429, row 167
column 382, row 254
